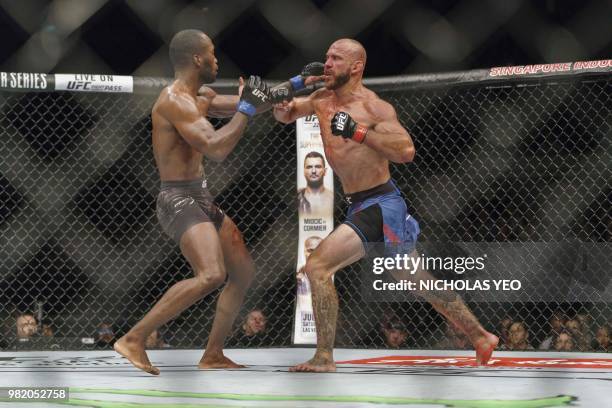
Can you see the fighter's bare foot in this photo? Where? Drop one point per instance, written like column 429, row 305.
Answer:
column 218, row 361
column 315, row 365
column 134, row 351
column 484, row 348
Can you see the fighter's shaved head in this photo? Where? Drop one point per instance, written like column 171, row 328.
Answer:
column 353, row 48
column 185, row 44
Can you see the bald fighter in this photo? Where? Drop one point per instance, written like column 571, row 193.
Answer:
column 361, row 134
column 209, row 240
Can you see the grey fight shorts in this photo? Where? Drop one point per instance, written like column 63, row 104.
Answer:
column 182, row 204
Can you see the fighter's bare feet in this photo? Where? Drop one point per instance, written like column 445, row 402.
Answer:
column 217, row 361
column 484, row 348
column 315, row 365
column 134, row 351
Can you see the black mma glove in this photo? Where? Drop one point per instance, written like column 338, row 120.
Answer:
column 254, row 94
column 286, row 90
column 343, row 125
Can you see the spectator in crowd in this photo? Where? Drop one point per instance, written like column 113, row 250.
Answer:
column 390, row 332
column 27, row 327
column 156, row 341
column 585, row 324
column 454, row 339
column 395, row 334
column 577, row 331
column 255, row 323
column 47, row 330
column 556, row 323
column 393, row 330
column 564, row 341
column 601, row 342
column 584, row 319
column 105, row 335
column 251, row 332
column 518, row 337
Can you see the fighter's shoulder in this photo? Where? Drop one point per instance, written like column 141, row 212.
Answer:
column 174, row 103
column 378, row 107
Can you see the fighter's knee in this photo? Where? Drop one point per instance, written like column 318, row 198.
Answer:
column 209, row 279
column 316, row 269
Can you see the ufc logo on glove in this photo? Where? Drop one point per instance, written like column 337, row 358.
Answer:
column 258, row 93
column 342, row 117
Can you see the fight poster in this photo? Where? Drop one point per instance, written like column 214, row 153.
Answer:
column 315, row 205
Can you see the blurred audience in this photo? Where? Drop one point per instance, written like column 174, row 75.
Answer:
column 564, row 341
column 389, row 332
column 585, row 324
column 518, row 337
column 564, row 334
column 47, row 330
column 27, row 327
column 156, row 341
column 556, row 324
column 105, row 336
column 395, row 334
column 578, row 334
column 601, row 342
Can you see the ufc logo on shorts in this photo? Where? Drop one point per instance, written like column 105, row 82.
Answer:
column 342, row 117
column 260, row 94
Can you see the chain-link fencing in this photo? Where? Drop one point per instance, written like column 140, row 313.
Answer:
column 511, row 162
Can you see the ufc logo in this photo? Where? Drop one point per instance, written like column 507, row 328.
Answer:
column 341, row 122
column 258, row 93
column 78, row 85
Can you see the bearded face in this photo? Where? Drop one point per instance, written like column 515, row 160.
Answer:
column 342, row 58
column 314, row 172
column 334, row 82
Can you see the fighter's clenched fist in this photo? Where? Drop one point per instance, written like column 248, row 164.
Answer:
column 254, row 95
column 343, row 125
